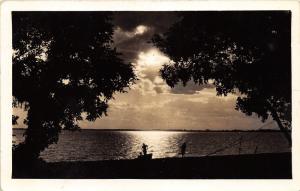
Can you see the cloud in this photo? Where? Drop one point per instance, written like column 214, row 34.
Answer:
column 189, row 88
column 147, row 66
column 134, row 30
column 159, row 89
column 141, row 29
column 158, row 20
column 175, row 111
column 148, row 61
column 131, row 37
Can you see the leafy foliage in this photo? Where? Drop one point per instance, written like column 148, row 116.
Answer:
column 63, row 66
column 248, row 53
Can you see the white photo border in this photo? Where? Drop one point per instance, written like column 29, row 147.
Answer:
column 7, row 183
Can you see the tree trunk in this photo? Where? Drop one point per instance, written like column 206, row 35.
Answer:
column 35, row 137
column 282, row 128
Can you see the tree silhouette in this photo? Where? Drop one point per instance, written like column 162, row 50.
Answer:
column 248, row 53
column 63, row 66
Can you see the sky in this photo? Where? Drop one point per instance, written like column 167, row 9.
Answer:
column 150, row 103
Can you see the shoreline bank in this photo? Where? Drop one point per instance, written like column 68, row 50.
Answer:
column 253, row 166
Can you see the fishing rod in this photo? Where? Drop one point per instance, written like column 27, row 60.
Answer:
column 238, row 141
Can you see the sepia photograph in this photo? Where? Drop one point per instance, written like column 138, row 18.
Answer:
column 200, row 94
column 100, row 97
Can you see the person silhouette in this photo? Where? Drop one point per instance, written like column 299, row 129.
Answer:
column 144, row 148
column 183, row 148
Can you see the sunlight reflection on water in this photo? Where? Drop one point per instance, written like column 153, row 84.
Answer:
column 90, row 145
column 160, row 143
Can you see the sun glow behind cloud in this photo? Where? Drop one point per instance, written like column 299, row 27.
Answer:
column 152, row 58
column 141, row 29
column 147, row 66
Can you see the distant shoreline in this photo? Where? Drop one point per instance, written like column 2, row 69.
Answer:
column 178, row 130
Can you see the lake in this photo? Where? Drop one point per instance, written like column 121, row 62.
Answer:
column 92, row 145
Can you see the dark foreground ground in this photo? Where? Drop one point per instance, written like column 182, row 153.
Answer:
column 259, row 166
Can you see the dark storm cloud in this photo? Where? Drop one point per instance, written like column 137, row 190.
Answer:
column 159, row 21
column 126, row 23
column 131, row 46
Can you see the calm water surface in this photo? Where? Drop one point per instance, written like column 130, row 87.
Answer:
column 90, row 145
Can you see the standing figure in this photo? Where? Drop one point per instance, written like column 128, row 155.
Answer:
column 144, row 148
column 183, row 148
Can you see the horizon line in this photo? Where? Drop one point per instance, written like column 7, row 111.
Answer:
column 195, row 130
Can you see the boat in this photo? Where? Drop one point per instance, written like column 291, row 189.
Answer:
column 145, row 157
